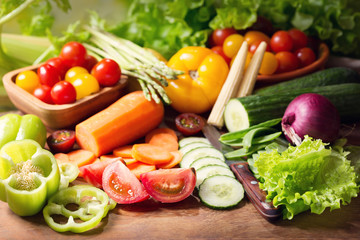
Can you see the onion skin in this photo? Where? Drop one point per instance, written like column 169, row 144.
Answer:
column 313, row 115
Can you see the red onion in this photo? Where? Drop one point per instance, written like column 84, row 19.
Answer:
column 311, row 114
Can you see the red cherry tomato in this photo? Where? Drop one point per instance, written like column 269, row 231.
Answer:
column 90, row 62
column 255, row 45
column 219, row 50
column 43, row 92
column 189, row 123
column 306, row 56
column 281, row 41
column 218, row 36
column 73, row 54
column 299, row 38
column 121, row 184
column 107, row 72
column 48, row 75
column 92, row 173
column 61, row 141
column 59, row 65
column 169, row 185
column 287, row 62
column 63, row 92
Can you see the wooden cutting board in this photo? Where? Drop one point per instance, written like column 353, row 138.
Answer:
column 190, row 219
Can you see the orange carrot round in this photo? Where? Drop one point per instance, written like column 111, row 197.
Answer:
column 81, row 157
column 123, row 122
column 177, row 157
column 163, row 137
column 123, row 151
column 150, row 154
column 138, row 168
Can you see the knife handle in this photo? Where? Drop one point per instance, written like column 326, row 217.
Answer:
column 254, row 193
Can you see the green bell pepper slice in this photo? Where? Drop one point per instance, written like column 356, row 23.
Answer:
column 17, row 127
column 68, row 173
column 29, row 175
column 92, row 205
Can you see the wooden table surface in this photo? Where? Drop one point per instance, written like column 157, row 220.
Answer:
column 190, row 219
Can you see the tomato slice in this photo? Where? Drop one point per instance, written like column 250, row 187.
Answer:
column 92, row 173
column 122, row 185
column 169, row 185
column 61, row 141
column 189, row 123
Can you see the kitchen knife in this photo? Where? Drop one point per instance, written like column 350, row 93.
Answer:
column 254, row 193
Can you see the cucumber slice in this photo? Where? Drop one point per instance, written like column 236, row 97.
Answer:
column 220, row 192
column 185, row 141
column 199, row 152
column 235, row 116
column 211, row 170
column 191, row 146
column 204, row 161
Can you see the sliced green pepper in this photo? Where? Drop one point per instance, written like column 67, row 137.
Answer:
column 68, row 173
column 92, row 205
column 29, row 175
column 16, row 127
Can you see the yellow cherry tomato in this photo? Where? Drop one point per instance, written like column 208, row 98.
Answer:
column 232, row 44
column 27, row 80
column 197, row 89
column 85, row 84
column 252, row 36
column 72, row 72
column 269, row 64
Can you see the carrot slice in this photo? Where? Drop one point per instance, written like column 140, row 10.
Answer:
column 163, row 137
column 138, row 168
column 150, row 154
column 177, row 157
column 62, row 158
column 81, row 157
column 123, row 122
column 123, row 151
column 129, row 160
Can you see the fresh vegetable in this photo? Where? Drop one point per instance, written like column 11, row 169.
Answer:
column 206, row 161
column 85, row 85
column 163, row 137
column 81, row 157
column 27, row 80
column 17, row 127
column 193, row 145
column 269, row 64
column 137, row 168
column 312, row 176
column 194, row 154
column 299, row 38
column 196, row 90
column 306, row 56
column 92, row 206
column 240, row 113
column 63, row 92
column 176, row 159
column 73, row 54
column 107, row 72
column 313, row 115
column 218, row 36
column 281, row 41
column 119, row 124
column 188, row 140
column 92, row 173
column 68, row 173
column 232, row 44
column 189, row 123
column 43, row 93
column 287, row 61
column 221, row 192
column 57, row 63
column 328, row 76
column 169, row 185
column 48, row 75
column 29, row 176
column 219, row 50
column 256, row 36
column 211, row 170
column 121, row 185
column 123, row 151
column 61, row 141
column 150, row 154
column 75, row 71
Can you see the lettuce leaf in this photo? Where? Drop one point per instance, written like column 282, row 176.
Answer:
column 309, row 176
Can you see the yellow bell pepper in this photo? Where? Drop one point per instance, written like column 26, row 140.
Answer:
column 204, row 74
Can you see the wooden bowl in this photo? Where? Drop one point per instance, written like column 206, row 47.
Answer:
column 323, row 55
column 65, row 115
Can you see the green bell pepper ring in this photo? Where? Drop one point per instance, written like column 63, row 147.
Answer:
column 68, row 173
column 16, row 127
column 29, row 175
column 92, row 205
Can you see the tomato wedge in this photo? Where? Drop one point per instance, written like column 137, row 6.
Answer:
column 122, row 185
column 189, row 123
column 169, row 185
column 92, row 173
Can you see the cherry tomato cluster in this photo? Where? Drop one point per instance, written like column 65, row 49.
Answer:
column 286, row 50
column 72, row 75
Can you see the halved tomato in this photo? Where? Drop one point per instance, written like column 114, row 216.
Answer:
column 122, row 185
column 92, row 173
column 169, row 185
